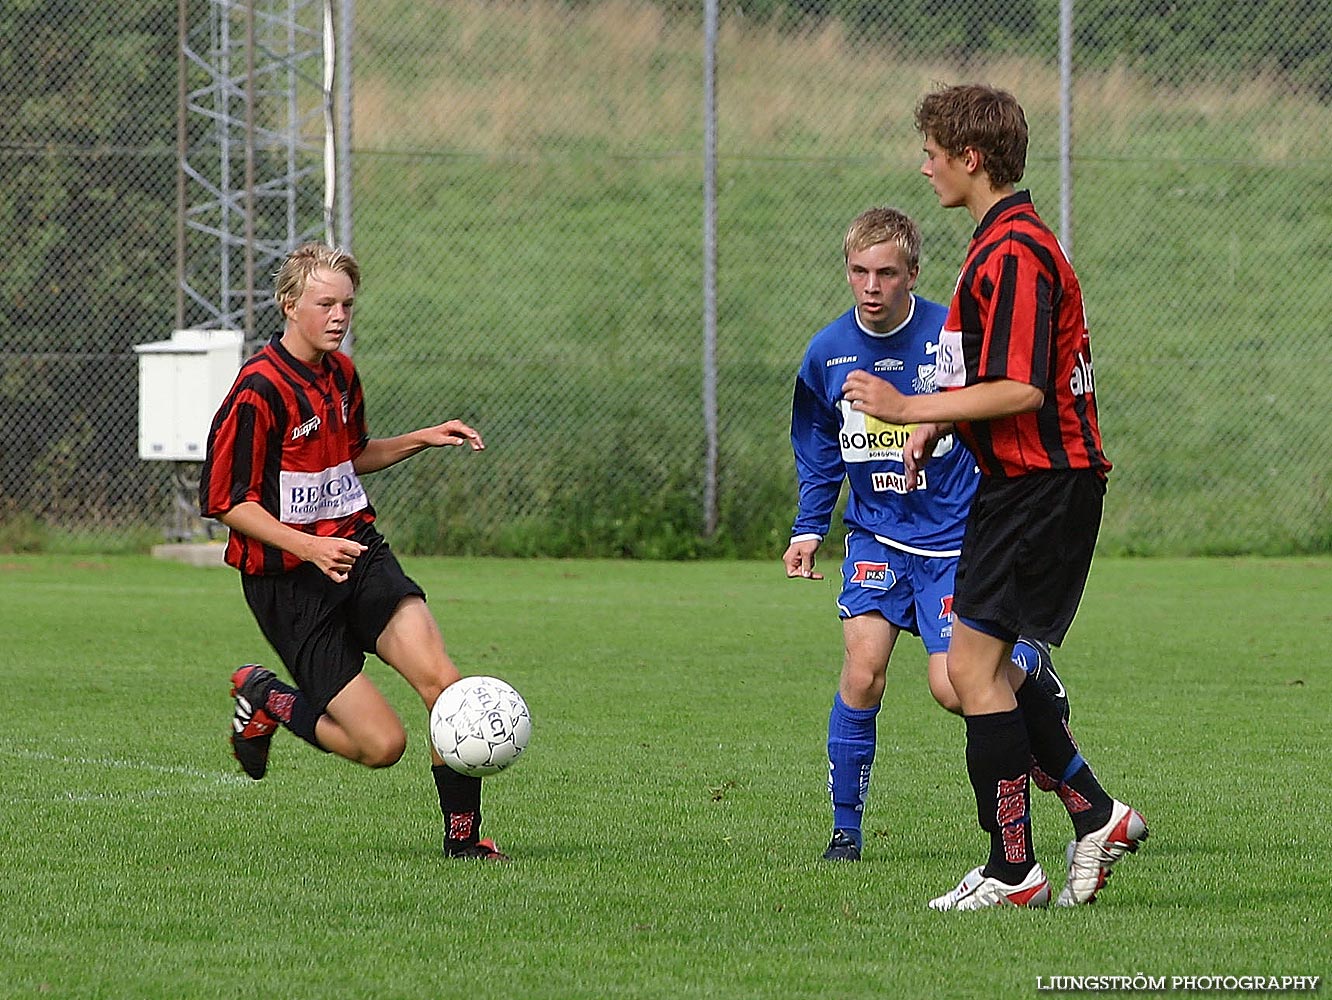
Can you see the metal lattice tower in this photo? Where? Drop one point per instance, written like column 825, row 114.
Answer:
column 259, row 116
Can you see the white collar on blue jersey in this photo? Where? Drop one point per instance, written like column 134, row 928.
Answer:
column 897, row 329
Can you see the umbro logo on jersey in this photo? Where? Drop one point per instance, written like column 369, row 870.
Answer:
column 888, row 365
column 309, row 427
column 845, row 359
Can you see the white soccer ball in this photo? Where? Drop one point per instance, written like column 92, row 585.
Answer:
column 480, row 725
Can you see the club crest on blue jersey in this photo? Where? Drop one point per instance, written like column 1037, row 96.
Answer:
column 924, row 382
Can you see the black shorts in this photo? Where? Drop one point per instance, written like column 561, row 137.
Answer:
column 322, row 630
column 1027, row 552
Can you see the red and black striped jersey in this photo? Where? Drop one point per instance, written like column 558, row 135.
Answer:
column 285, row 438
column 1017, row 313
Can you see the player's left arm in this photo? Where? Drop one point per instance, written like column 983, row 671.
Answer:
column 380, row 453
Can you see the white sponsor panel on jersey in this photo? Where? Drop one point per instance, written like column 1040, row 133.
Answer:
column 868, row 439
column 949, row 369
column 318, row 496
column 896, row 482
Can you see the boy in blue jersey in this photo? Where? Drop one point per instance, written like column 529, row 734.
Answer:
column 902, row 539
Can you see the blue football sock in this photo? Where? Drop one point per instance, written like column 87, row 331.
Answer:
column 1026, row 657
column 1074, row 766
column 851, row 737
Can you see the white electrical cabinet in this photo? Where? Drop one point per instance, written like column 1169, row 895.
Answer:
column 182, row 381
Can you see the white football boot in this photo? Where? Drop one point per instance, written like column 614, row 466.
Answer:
column 1090, row 857
column 977, row 892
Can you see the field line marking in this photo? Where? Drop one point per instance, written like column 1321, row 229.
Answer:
column 114, row 763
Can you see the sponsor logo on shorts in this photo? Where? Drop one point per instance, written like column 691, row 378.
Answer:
column 875, row 575
column 946, row 608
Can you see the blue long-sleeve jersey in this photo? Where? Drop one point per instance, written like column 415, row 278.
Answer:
column 833, row 442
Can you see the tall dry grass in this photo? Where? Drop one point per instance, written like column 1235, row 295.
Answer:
column 515, row 76
column 520, row 77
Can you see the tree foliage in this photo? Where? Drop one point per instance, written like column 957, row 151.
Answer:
column 87, row 153
column 87, row 205
column 1167, row 40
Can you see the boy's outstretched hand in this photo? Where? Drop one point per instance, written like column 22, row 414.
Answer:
column 452, row 433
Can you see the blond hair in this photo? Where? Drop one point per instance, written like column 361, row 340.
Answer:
column 883, row 225
column 304, row 261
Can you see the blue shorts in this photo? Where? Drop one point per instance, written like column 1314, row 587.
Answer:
column 913, row 592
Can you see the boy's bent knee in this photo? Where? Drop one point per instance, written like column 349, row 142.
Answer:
column 383, row 752
column 947, row 699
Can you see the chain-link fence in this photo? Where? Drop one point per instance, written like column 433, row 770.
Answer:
column 528, row 205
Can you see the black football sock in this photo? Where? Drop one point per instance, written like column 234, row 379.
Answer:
column 460, row 802
column 293, row 709
column 1061, row 767
column 998, row 759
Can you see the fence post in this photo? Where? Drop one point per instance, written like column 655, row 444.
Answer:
column 1066, row 125
column 710, row 266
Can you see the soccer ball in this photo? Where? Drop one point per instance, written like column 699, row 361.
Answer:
column 480, row 725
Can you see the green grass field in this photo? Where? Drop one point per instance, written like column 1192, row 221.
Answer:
column 667, row 819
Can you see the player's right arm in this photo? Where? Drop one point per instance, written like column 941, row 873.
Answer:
column 986, row 400
column 820, row 470
column 799, row 558
column 334, row 556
